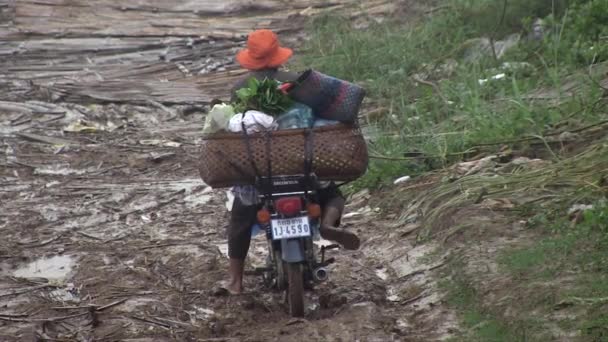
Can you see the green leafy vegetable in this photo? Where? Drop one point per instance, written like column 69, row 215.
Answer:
column 263, row 96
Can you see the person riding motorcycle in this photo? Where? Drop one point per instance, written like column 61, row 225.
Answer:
column 264, row 58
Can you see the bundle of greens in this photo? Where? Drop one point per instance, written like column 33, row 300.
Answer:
column 264, row 96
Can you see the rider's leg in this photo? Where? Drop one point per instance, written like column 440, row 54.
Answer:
column 333, row 202
column 239, row 238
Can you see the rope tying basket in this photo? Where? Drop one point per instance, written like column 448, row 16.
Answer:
column 339, row 154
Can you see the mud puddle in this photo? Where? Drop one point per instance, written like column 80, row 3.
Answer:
column 56, row 268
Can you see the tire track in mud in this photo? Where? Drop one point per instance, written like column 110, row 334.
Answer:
column 109, row 234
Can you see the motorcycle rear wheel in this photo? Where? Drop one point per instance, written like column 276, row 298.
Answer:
column 295, row 290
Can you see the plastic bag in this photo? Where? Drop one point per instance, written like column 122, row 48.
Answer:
column 218, row 118
column 254, row 122
column 247, row 194
column 298, row 116
column 325, row 122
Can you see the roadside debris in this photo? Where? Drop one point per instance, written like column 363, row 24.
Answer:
column 401, row 180
column 158, row 142
column 478, row 48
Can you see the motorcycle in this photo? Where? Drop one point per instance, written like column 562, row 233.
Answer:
column 290, row 218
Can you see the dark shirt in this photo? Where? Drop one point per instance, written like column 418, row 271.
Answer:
column 281, row 76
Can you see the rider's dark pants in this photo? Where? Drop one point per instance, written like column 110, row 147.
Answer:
column 244, row 216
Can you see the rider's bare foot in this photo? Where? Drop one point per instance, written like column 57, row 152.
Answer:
column 234, row 287
column 235, row 271
column 227, row 289
column 347, row 239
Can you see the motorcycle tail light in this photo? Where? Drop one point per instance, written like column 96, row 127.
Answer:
column 263, row 216
column 288, row 205
column 314, row 210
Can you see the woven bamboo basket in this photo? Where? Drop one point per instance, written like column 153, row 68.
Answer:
column 339, row 154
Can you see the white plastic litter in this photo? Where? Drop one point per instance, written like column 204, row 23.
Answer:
column 493, row 78
column 402, row 179
column 579, row 207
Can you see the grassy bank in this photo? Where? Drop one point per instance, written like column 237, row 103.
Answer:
column 558, row 285
column 440, row 94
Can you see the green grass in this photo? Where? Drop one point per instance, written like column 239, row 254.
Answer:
column 454, row 113
column 577, row 252
column 567, row 270
column 480, row 323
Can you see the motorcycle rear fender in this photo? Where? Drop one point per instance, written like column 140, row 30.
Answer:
column 292, row 250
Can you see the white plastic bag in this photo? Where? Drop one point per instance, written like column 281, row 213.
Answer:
column 254, row 122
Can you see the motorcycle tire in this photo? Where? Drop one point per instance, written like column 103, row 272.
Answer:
column 295, row 290
column 281, row 274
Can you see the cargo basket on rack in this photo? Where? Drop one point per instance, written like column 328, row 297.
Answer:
column 339, row 153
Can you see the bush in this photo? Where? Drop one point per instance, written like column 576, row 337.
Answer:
column 586, row 29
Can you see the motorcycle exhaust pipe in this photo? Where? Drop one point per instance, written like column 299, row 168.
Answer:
column 320, row 274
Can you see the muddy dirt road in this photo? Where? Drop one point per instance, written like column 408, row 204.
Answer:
column 107, row 231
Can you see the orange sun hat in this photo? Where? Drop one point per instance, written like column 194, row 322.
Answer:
column 263, row 51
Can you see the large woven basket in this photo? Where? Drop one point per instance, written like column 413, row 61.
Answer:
column 339, row 154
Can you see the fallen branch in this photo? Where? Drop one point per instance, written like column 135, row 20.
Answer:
column 22, row 164
column 145, row 320
column 72, row 307
column 543, row 137
column 116, row 238
column 168, row 245
column 172, row 198
column 171, row 112
column 395, row 158
column 26, row 290
column 434, row 86
column 412, row 300
column 46, row 140
column 88, row 307
column 97, row 173
column 58, row 116
column 13, row 315
column 22, row 119
column 43, row 243
column 174, row 323
column 45, row 320
column 297, row 321
column 593, row 80
column 89, row 236
column 411, row 275
column 437, row 9
column 118, row 302
column 454, row 154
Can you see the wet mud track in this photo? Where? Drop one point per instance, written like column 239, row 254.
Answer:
column 107, row 231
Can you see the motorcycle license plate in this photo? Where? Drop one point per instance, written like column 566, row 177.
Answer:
column 290, row 228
